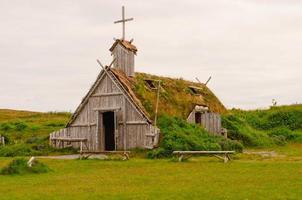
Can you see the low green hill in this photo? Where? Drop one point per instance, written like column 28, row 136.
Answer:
column 265, row 127
column 26, row 133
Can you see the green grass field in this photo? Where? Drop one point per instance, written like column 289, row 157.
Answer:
column 246, row 177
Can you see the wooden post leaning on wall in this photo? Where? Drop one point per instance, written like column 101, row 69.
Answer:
column 2, row 140
column 224, row 132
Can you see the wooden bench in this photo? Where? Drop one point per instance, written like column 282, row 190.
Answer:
column 124, row 154
column 225, row 154
column 61, row 140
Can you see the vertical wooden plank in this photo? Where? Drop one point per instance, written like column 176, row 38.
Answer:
column 97, row 139
column 124, row 123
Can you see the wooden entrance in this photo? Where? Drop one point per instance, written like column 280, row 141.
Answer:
column 198, row 118
column 109, row 130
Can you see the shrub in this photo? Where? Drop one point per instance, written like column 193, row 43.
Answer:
column 6, row 127
column 20, row 126
column 36, row 140
column 181, row 135
column 279, row 140
column 35, row 128
column 282, row 131
column 158, row 153
column 16, row 150
column 19, row 166
column 231, row 145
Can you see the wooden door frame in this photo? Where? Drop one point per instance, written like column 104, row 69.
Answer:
column 100, row 135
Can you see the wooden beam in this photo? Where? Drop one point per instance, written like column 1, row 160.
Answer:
column 106, row 109
column 83, row 125
column 136, row 122
column 132, row 122
column 150, row 135
column 107, row 94
column 69, row 139
column 124, row 124
column 124, row 20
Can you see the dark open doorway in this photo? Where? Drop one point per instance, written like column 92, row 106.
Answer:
column 108, row 123
column 198, row 118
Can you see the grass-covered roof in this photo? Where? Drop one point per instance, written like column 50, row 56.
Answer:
column 177, row 96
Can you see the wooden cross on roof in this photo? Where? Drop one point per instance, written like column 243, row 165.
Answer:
column 123, row 20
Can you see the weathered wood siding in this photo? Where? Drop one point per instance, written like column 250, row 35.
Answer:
column 124, row 59
column 210, row 121
column 133, row 129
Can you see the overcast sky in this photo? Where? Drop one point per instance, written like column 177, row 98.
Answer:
column 251, row 48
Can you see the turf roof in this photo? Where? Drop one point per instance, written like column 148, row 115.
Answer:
column 177, row 96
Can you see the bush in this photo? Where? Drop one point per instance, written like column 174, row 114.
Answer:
column 6, row 127
column 19, row 166
column 20, row 126
column 16, row 150
column 36, row 140
column 231, row 145
column 158, row 153
column 279, row 140
column 283, row 131
column 181, row 135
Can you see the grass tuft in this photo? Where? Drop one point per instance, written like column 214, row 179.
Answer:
column 19, row 166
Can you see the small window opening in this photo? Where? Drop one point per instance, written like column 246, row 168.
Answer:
column 150, row 84
column 195, row 90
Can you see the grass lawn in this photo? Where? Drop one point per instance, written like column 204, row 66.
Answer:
column 247, row 177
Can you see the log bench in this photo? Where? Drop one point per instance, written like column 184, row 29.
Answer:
column 225, row 154
column 61, row 140
column 124, row 154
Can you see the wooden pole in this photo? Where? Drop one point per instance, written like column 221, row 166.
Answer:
column 208, row 80
column 157, row 100
column 198, row 80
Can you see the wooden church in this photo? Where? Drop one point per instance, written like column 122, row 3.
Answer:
column 120, row 110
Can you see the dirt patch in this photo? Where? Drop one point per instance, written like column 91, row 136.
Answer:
column 75, row 156
column 263, row 153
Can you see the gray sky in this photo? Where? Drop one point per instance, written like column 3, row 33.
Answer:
column 251, row 48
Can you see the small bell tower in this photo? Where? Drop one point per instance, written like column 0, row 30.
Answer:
column 123, row 51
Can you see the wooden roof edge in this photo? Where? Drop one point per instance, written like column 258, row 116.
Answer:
column 85, row 98
column 89, row 93
column 117, row 73
column 126, row 44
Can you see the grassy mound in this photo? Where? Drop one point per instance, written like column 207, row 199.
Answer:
column 19, row 166
column 177, row 134
column 265, row 127
column 26, row 133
